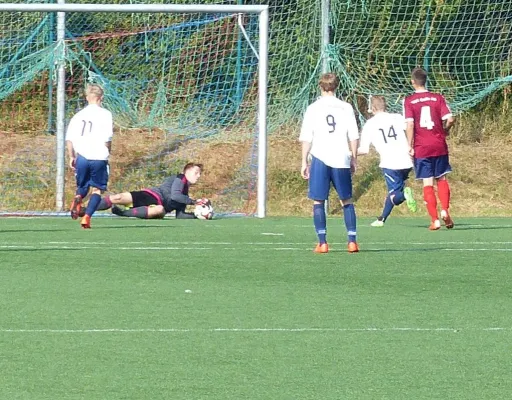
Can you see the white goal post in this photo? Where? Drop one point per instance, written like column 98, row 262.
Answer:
column 61, row 8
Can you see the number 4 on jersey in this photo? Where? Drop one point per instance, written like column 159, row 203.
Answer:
column 426, row 118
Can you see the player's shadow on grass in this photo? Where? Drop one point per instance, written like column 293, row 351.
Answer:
column 401, row 250
column 137, row 226
column 37, row 250
column 467, row 227
column 30, row 230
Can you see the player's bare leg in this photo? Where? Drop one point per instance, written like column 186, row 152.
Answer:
column 429, row 195
column 349, row 214
column 320, row 222
column 443, row 190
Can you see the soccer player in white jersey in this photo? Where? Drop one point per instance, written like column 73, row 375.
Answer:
column 88, row 141
column 330, row 136
column 386, row 132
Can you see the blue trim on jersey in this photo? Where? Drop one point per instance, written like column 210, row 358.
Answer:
column 395, row 178
column 432, row 167
column 321, row 176
column 91, row 173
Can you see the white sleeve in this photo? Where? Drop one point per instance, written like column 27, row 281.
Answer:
column 364, row 145
column 306, row 132
column 353, row 130
column 71, row 133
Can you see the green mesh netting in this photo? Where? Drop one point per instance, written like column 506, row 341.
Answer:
column 184, row 87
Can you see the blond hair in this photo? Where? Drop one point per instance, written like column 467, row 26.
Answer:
column 329, row 82
column 95, row 91
column 378, row 103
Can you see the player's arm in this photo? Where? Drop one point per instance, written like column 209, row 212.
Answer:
column 353, row 137
column 109, row 133
column 70, row 134
column 177, row 193
column 364, row 144
column 306, row 137
column 304, row 169
column 409, row 127
column 447, row 116
column 448, row 124
column 409, row 132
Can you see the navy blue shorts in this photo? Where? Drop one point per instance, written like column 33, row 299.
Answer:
column 432, row 167
column 395, row 178
column 321, row 176
column 91, row 173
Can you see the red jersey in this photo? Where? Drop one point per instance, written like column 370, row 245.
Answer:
column 427, row 110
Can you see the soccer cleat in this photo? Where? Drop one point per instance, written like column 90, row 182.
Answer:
column 409, row 200
column 435, row 225
column 76, row 207
column 321, row 248
column 116, row 210
column 378, row 223
column 353, row 247
column 86, row 222
column 448, row 222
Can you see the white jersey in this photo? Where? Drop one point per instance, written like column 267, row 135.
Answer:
column 89, row 130
column 329, row 123
column 387, row 134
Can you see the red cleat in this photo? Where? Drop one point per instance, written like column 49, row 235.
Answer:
column 448, row 222
column 76, row 207
column 86, row 222
column 353, row 247
column 321, row 248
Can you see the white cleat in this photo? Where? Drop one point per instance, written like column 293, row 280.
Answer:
column 377, row 223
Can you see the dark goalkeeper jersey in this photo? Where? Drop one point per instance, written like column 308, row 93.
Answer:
column 174, row 193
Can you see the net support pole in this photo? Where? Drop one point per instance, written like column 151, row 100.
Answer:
column 324, row 34
column 325, row 41
column 61, row 110
column 262, row 113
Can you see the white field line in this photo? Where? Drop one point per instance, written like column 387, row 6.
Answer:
column 255, row 330
column 104, row 246
column 261, row 243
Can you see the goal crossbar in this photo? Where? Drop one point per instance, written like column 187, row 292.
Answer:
column 61, row 8
column 136, row 8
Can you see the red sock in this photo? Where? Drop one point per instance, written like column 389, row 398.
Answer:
column 430, row 198
column 443, row 190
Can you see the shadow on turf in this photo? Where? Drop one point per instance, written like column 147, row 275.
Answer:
column 31, row 230
column 363, row 250
column 468, row 227
column 136, row 226
column 48, row 249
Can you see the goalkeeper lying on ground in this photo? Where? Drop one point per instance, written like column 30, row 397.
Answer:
column 155, row 202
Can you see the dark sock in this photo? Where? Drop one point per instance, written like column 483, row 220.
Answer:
column 93, row 204
column 82, row 192
column 349, row 212
column 320, row 222
column 105, row 204
column 137, row 212
column 388, row 207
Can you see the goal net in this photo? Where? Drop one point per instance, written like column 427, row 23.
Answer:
column 184, row 86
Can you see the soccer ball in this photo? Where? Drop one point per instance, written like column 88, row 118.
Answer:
column 204, row 210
